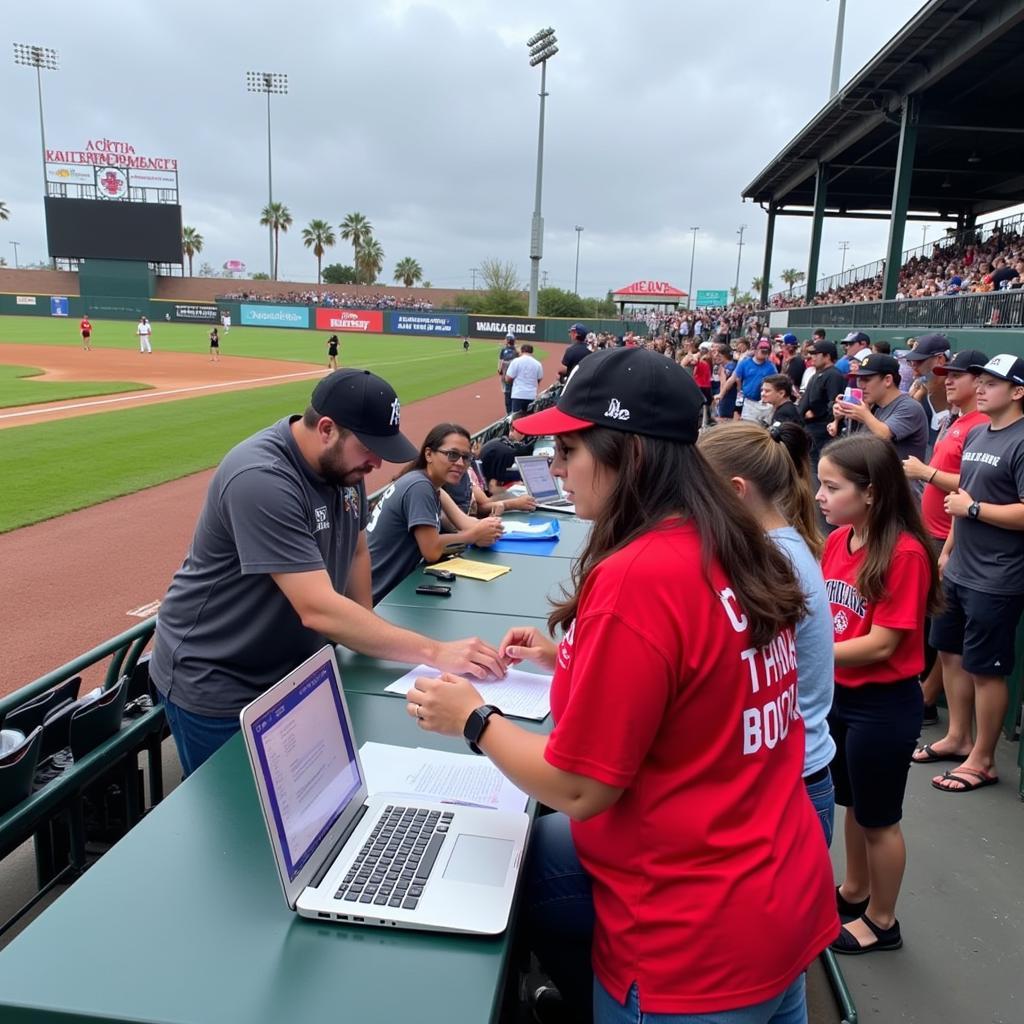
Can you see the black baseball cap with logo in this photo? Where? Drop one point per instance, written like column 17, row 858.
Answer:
column 878, row 364
column 825, row 348
column 927, row 346
column 633, row 390
column 367, row 405
column 963, row 362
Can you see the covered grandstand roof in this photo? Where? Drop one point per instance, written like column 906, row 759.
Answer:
column 961, row 60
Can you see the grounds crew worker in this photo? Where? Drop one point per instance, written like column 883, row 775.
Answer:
column 279, row 565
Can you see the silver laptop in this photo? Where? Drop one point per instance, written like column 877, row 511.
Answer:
column 542, row 486
column 395, row 861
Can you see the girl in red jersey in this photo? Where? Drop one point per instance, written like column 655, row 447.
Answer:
column 686, row 851
column 881, row 580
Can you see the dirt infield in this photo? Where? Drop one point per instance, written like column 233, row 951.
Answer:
column 170, row 375
column 72, row 582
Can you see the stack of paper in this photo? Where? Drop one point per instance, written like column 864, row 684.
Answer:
column 451, row 778
column 474, row 570
column 519, row 695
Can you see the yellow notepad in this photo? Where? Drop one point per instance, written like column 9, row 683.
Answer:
column 475, row 570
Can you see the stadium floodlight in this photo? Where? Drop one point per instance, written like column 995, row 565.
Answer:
column 42, row 58
column 576, row 285
column 542, row 49
column 273, row 84
column 15, row 244
column 693, row 253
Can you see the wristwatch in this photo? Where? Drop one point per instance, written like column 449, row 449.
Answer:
column 476, row 723
column 974, row 510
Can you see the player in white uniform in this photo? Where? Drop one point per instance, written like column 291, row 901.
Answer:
column 144, row 331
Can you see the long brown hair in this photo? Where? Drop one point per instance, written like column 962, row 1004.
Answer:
column 659, row 479
column 868, row 461
column 776, row 461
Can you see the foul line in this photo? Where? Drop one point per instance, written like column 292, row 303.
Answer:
column 137, row 395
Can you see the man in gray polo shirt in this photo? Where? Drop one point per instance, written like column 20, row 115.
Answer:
column 279, row 566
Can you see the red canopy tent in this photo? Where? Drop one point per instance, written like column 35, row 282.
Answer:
column 648, row 293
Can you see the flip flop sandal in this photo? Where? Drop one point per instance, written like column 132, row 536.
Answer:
column 965, row 785
column 931, row 757
column 888, row 939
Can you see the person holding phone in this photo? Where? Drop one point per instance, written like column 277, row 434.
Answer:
column 686, row 871
column 406, row 525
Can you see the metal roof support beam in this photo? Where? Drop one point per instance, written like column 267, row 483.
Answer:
column 900, row 197
column 766, row 269
column 820, row 193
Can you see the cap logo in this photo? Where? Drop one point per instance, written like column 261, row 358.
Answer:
column 615, row 411
column 395, row 411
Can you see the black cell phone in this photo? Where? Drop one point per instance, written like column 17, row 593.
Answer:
column 441, row 574
column 434, row 590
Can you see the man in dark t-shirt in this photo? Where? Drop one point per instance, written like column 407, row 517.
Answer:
column 576, row 352
column 505, row 356
column 279, row 566
column 498, row 457
column 824, row 388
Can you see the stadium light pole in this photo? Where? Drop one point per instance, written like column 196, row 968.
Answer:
column 843, row 246
column 693, row 253
column 837, row 56
column 15, row 244
column 271, row 83
column 42, row 58
column 739, row 256
column 542, row 49
column 576, row 286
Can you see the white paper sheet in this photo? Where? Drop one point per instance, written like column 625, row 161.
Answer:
column 519, row 695
column 451, row 778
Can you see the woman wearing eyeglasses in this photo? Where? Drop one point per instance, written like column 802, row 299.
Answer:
column 405, row 527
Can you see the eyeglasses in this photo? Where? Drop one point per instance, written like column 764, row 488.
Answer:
column 454, row 455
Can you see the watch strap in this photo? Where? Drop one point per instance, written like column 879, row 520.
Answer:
column 477, row 722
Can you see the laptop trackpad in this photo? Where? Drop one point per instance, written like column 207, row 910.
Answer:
column 480, row 860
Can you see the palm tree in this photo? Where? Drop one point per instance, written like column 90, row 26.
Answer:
column 318, row 236
column 191, row 245
column 370, row 260
column 792, row 277
column 277, row 217
column 355, row 228
column 4, row 212
column 408, row 271
column 756, row 285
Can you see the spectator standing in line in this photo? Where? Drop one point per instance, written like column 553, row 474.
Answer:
column 941, row 476
column 853, row 342
column 332, row 352
column 145, row 332
column 505, row 357
column 777, row 392
column 983, row 578
column 747, row 376
column 885, row 411
column 724, row 363
column 577, row 351
column 793, row 364
column 85, row 328
column 525, row 374
column 883, row 348
column 931, row 350
column 881, row 581
column 819, row 396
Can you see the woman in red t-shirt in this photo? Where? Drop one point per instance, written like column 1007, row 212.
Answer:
column 687, row 853
column 881, row 580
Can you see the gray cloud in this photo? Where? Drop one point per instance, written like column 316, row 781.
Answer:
column 423, row 116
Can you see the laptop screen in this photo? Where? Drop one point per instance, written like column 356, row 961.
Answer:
column 536, row 474
column 308, row 763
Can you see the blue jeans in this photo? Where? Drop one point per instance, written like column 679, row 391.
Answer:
column 788, row 1007
column 823, row 796
column 197, row 737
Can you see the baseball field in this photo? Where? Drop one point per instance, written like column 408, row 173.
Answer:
column 78, row 428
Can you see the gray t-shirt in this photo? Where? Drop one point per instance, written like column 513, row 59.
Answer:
column 986, row 557
column 908, row 422
column 815, row 672
column 225, row 632
column 409, row 502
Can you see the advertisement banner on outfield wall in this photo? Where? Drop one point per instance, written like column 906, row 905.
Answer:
column 447, row 324
column 497, row 327
column 58, row 305
column 196, row 313
column 274, row 316
column 354, row 321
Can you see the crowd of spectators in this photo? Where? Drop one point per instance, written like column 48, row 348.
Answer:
column 332, row 299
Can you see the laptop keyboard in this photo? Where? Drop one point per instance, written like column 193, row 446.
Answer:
column 395, row 862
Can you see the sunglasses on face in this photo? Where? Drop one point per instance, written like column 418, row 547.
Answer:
column 453, row 455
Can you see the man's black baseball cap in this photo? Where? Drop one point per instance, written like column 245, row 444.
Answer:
column 367, row 405
column 825, row 348
column 963, row 362
column 856, row 338
column 633, row 390
column 878, row 364
column 928, row 346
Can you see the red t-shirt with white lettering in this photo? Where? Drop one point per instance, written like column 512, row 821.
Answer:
column 947, row 457
column 711, row 881
column 902, row 607
column 85, row 326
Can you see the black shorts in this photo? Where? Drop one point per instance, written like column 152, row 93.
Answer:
column 979, row 626
column 875, row 728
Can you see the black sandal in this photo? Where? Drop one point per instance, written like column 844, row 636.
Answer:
column 848, row 909
column 888, row 939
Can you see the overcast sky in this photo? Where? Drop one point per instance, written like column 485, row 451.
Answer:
column 423, row 116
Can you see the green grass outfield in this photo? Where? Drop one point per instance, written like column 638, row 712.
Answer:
column 18, row 388
column 48, row 469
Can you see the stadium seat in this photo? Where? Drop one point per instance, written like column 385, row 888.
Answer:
column 17, row 768
column 26, row 717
